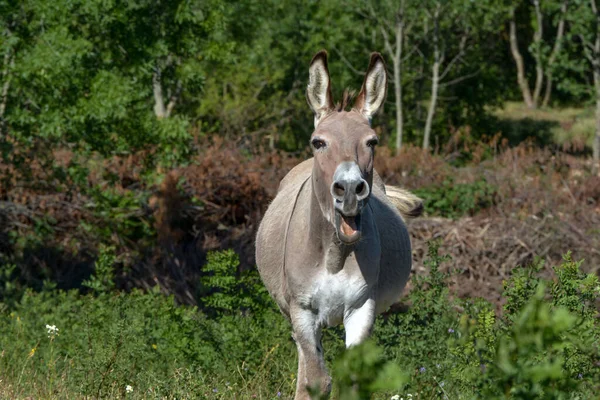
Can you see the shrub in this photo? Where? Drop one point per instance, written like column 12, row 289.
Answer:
column 227, row 291
column 453, row 200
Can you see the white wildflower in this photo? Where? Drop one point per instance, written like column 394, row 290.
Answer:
column 52, row 331
column 395, row 397
column 128, row 388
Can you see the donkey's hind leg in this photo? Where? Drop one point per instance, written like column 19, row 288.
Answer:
column 311, row 364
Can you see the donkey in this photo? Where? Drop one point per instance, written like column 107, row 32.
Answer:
column 333, row 246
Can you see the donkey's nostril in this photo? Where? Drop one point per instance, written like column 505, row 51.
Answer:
column 338, row 189
column 360, row 187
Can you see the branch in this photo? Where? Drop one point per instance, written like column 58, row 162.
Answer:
column 260, row 89
column 538, row 35
column 461, row 52
column 348, row 64
column 587, row 48
column 173, row 99
column 559, row 34
column 597, row 44
column 537, row 39
column 399, row 31
column 413, row 50
column 386, row 40
column 376, row 18
column 460, row 79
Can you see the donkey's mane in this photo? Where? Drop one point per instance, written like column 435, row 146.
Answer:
column 346, row 100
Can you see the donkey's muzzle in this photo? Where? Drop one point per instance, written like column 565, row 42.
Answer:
column 349, row 189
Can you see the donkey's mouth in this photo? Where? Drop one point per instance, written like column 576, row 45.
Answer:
column 347, row 227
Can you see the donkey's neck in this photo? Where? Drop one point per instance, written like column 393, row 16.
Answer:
column 323, row 238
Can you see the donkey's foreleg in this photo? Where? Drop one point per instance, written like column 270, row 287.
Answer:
column 311, row 364
column 358, row 322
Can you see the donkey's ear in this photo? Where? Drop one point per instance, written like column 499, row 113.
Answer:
column 372, row 94
column 318, row 92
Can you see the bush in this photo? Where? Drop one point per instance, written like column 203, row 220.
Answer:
column 227, row 291
column 453, row 200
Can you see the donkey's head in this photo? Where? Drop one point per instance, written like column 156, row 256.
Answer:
column 343, row 144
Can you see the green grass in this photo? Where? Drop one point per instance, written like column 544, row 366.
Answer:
column 238, row 346
column 570, row 127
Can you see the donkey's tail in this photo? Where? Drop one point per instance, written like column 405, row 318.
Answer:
column 409, row 205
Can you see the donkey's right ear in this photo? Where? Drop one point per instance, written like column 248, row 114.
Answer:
column 318, row 91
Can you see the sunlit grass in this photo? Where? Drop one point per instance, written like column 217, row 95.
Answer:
column 570, row 127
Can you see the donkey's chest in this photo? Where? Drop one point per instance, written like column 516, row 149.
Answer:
column 334, row 295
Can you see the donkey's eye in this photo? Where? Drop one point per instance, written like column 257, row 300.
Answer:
column 372, row 142
column 318, row 144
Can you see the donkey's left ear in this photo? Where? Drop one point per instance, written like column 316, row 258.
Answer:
column 372, row 94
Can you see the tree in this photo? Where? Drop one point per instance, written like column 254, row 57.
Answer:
column 394, row 22
column 456, row 27
column 514, row 48
column 430, row 35
column 556, row 49
column 109, row 76
column 585, row 28
column 538, row 47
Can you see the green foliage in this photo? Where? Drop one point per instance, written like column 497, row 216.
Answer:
column 576, row 66
column 453, row 200
column 418, row 340
column 226, row 290
column 362, row 371
column 530, row 362
column 102, row 281
column 522, row 286
column 115, row 77
column 575, row 290
column 92, row 73
column 8, row 285
column 545, row 347
column 548, row 347
column 119, row 214
column 110, row 340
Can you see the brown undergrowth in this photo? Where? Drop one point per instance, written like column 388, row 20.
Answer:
column 545, row 204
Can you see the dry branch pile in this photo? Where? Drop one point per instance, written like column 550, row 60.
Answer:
column 485, row 249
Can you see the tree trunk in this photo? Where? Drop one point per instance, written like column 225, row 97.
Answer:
column 9, row 62
column 160, row 110
column 435, row 82
column 595, row 59
column 159, row 100
column 514, row 48
column 596, row 157
column 537, row 41
column 435, row 85
column 398, row 78
column 554, row 53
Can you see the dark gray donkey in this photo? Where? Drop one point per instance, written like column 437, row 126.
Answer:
column 333, row 246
